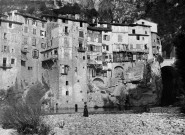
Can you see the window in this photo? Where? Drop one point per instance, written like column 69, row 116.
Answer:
column 34, row 22
column 42, row 33
column 26, row 21
column 12, row 61
column 64, row 69
column 81, row 24
column 145, row 32
column 138, row 46
column 4, row 62
column 55, row 52
column 23, row 63
column 80, row 44
column 93, row 73
column 88, row 57
column 0, row 22
column 131, row 46
column 26, row 29
column 30, row 68
column 119, row 38
column 110, row 57
column 66, row 30
column 51, row 42
column 81, row 34
column 67, row 83
column 107, row 48
column 34, row 41
column 43, row 25
column 67, row 93
column 25, row 40
column 106, row 37
column 133, row 31
column 143, row 38
column 35, row 54
column 5, row 48
column 43, row 45
column 83, row 57
column 5, row 36
column 64, row 21
column 105, row 74
column 34, row 31
column 137, row 37
column 10, row 25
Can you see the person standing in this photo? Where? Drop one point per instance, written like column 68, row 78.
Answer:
column 85, row 114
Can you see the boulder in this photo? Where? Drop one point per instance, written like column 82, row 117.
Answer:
column 148, row 91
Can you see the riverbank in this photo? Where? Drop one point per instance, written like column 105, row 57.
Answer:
column 160, row 121
column 113, row 124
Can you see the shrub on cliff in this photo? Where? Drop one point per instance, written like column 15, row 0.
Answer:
column 25, row 119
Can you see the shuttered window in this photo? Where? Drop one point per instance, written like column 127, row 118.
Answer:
column 120, row 38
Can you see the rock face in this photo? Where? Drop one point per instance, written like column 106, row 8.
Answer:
column 141, row 86
column 149, row 90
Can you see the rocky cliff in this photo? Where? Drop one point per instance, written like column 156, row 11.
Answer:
column 142, row 86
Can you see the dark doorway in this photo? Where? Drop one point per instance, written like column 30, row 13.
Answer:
column 4, row 62
column 170, row 80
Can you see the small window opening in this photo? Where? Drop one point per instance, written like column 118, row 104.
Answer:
column 12, row 61
column 67, row 93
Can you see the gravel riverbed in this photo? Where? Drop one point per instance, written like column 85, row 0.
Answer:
column 117, row 124
column 160, row 121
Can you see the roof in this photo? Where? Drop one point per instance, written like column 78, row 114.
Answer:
column 145, row 20
column 4, row 20
column 133, row 25
column 71, row 19
column 3, row 15
column 138, row 35
column 50, row 49
column 29, row 16
column 98, row 28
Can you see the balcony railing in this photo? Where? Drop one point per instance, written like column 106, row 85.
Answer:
column 81, row 49
column 5, row 66
column 139, row 50
column 53, row 57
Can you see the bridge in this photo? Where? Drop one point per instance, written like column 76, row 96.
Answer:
column 168, row 62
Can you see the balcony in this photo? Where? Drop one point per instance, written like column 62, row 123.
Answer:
column 5, row 66
column 81, row 49
column 53, row 57
column 139, row 50
column 24, row 50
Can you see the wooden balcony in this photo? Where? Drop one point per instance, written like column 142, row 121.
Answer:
column 5, row 66
column 81, row 49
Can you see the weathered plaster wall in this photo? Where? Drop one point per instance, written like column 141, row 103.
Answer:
column 11, row 39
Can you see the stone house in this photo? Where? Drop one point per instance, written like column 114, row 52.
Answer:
column 155, row 39
column 69, row 55
column 67, row 60
column 10, row 51
column 33, row 38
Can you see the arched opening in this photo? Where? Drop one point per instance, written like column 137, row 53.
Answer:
column 170, row 80
column 118, row 72
column 98, row 82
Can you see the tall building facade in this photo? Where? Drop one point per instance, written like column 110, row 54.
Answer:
column 67, row 60
column 79, row 62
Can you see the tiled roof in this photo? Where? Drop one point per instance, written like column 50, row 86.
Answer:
column 29, row 16
column 71, row 19
column 4, row 20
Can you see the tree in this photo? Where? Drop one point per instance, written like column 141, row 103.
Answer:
column 169, row 14
column 120, row 11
